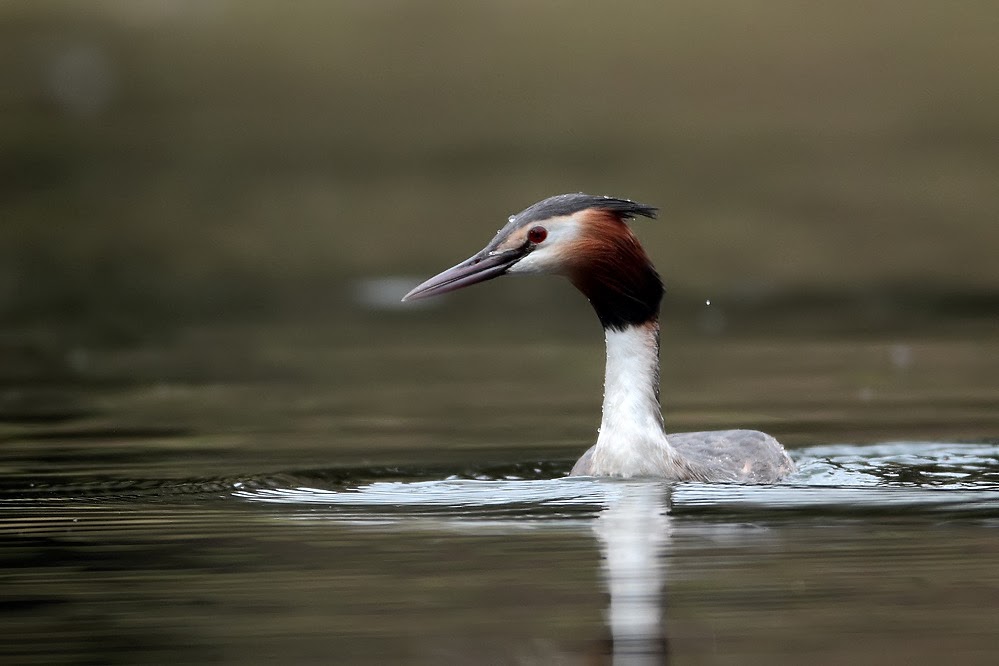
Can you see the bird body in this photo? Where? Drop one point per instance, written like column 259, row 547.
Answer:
column 586, row 239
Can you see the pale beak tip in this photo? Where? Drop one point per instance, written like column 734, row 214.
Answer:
column 414, row 294
column 473, row 270
column 411, row 296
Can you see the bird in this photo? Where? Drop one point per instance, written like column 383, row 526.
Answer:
column 588, row 239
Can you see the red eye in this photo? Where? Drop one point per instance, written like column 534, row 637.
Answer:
column 537, row 234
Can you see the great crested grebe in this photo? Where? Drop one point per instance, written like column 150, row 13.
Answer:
column 585, row 238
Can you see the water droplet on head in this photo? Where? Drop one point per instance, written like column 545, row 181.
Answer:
column 511, row 218
column 707, row 302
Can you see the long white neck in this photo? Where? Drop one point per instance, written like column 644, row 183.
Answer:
column 632, row 440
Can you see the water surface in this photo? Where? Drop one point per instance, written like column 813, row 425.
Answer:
column 289, row 500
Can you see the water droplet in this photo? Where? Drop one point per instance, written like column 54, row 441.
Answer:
column 707, row 302
column 511, row 218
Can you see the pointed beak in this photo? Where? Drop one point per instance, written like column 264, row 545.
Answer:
column 479, row 268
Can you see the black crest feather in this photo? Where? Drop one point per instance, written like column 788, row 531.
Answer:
column 567, row 204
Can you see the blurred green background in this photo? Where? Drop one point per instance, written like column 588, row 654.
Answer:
column 164, row 162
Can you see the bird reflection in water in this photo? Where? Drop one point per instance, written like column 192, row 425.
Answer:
column 633, row 531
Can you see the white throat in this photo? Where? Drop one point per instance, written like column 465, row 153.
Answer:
column 632, row 440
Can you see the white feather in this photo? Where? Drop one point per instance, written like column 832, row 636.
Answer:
column 550, row 255
column 632, row 441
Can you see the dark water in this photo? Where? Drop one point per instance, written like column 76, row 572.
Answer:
column 284, row 499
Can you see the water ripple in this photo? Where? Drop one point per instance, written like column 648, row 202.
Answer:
column 913, row 478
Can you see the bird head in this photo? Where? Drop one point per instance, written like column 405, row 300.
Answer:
column 580, row 236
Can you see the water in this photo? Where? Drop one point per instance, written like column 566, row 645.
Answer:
column 257, row 496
